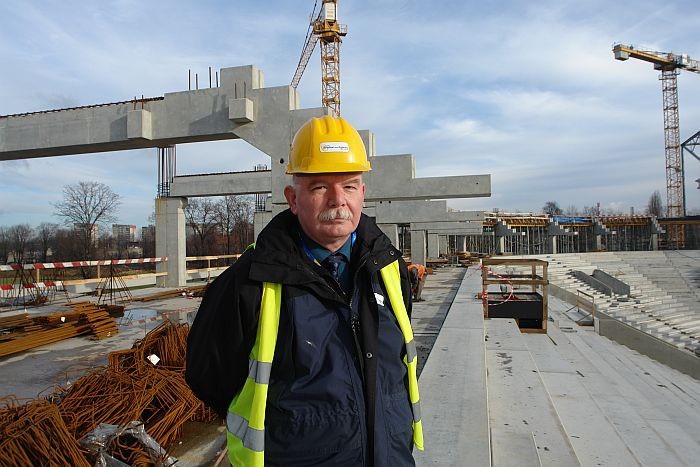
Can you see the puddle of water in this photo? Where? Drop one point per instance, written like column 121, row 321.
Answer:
column 140, row 313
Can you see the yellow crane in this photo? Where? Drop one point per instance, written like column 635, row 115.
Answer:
column 326, row 29
column 669, row 64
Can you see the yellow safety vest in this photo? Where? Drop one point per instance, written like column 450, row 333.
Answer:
column 245, row 421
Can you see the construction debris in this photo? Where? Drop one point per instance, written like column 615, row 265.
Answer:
column 129, row 391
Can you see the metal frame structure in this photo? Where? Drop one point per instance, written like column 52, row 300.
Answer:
column 326, row 29
column 669, row 64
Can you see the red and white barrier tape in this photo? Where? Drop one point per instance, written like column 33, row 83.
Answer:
column 77, row 264
column 36, row 285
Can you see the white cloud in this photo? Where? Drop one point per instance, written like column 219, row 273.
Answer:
column 528, row 92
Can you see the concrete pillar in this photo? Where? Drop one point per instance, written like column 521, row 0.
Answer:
column 552, row 243
column 433, row 245
column 654, row 241
column 598, row 242
column 260, row 220
column 391, row 231
column 171, row 241
column 443, row 244
column 418, row 246
column 500, row 244
column 461, row 243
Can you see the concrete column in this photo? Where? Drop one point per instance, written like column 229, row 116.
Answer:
column 391, row 231
column 418, row 246
column 654, row 241
column 461, row 243
column 599, row 242
column 443, row 244
column 433, row 245
column 260, row 220
column 500, row 244
column 171, row 241
column 552, row 243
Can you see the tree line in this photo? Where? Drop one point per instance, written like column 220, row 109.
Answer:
column 654, row 207
column 215, row 226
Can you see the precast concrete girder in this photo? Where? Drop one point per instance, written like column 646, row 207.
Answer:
column 451, row 228
column 179, row 117
column 403, row 184
column 235, row 183
column 399, row 211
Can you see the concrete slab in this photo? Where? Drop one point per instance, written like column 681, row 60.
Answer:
column 453, row 388
column 518, row 401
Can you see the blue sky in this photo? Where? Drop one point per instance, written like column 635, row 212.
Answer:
column 526, row 91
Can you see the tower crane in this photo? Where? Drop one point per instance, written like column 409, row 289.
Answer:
column 326, row 29
column 669, row 64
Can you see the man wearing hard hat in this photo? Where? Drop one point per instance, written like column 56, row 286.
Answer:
column 305, row 344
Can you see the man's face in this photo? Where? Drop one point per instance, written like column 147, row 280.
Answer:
column 328, row 206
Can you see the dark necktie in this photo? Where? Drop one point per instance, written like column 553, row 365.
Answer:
column 332, row 264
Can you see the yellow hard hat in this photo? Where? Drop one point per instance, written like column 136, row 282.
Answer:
column 325, row 145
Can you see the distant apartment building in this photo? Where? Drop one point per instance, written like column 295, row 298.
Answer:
column 148, row 232
column 92, row 231
column 124, row 233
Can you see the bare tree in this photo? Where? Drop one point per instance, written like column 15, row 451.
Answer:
column 45, row 235
column 234, row 214
column 65, row 247
column 655, row 206
column 84, row 206
column 4, row 245
column 244, row 222
column 19, row 236
column 200, row 215
column 552, row 208
column 571, row 210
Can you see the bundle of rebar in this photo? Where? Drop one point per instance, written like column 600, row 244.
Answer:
column 82, row 318
column 132, row 387
column 193, row 291
column 35, row 434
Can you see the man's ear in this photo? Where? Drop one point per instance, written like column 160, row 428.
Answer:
column 291, row 197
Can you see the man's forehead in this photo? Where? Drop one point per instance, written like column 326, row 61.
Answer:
column 343, row 177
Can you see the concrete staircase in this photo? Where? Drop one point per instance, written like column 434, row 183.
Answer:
column 660, row 302
column 493, row 396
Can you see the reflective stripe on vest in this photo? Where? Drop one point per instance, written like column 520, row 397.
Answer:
column 245, row 421
column 392, row 282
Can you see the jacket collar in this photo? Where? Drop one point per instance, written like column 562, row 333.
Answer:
column 278, row 256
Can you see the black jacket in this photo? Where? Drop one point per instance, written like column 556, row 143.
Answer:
column 315, row 313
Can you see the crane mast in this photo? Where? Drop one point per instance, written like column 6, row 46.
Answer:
column 329, row 32
column 669, row 64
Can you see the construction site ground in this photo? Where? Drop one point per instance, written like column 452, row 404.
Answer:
column 37, row 372
column 490, row 395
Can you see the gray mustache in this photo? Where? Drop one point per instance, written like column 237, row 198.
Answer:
column 335, row 213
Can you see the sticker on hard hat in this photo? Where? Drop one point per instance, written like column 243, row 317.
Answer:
column 332, row 146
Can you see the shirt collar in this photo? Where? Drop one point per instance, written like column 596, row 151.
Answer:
column 320, row 253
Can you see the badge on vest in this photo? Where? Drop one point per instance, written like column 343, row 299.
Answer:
column 379, row 299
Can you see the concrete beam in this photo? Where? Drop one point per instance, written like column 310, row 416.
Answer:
column 177, row 117
column 398, row 212
column 235, row 183
column 403, row 184
column 471, row 227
